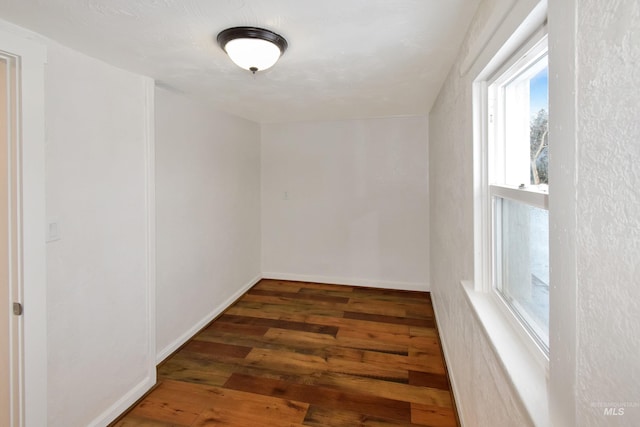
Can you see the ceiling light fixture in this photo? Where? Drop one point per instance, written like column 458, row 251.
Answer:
column 251, row 48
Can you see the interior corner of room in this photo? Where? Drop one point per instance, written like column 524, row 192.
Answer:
column 151, row 205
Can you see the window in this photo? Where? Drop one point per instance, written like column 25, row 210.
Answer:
column 517, row 187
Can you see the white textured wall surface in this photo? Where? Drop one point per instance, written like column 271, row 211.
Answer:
column 482, row 387
column 594, row 221
column 608, row 211
column 347, row 202
column 208, row 214
column 97, row 295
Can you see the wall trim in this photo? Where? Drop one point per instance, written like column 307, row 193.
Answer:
column 33, row 57
column 171, row 348
column 124, row 402
column 447, row 360
column 371, row 283
column 510, row 31
column 150, row 207
column 175, row 345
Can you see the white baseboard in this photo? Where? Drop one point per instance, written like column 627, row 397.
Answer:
column 115, row 410
column 447, row 359
column 404, row 286
column 149, row 381
column 168, row 350
column 408, row 286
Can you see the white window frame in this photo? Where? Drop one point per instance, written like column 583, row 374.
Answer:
column 484, row 133
column 526, row 371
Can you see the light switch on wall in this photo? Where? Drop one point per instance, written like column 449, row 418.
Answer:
column 53, row 230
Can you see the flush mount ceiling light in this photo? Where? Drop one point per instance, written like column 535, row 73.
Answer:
column 251, row 48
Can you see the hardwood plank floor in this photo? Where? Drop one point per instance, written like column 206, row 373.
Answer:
column 307, row 354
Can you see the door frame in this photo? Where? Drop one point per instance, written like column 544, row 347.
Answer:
column 31, row 219
column 10, row 205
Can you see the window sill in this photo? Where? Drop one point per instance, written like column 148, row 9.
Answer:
column 526, row 376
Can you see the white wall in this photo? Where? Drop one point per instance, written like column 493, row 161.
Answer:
column 347, row 202
column 484, row 395
column 607, row 210
column 594, row 221
column 98, row 289
column 208, row 214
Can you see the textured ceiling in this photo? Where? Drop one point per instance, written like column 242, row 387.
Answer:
column 346, row 58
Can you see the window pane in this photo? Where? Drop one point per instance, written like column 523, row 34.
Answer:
column 526, row 131
column 539, row 125
column 522, row 263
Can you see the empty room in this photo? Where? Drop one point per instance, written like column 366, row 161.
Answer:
column 327, row 213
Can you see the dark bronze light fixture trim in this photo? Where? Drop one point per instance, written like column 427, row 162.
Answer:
column 229, row 34
column 235, row 33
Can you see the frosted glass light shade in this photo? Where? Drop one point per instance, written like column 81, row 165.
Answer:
column 252, row 48
column 253, row 54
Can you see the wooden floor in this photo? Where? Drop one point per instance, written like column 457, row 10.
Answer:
column 305, row 354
